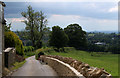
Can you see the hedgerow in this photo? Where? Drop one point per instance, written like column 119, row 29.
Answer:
column 12, row 40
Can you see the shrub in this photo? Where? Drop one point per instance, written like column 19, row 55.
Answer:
column 42, row 52
column 28, row 54
column 58, row 38
column 28, row 48
column 12, row 40
column 69, row 48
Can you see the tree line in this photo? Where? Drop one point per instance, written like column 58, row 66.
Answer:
column 72, row 36
column 37, row 34
column 111, row 42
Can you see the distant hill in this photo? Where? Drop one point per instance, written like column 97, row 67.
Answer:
column 104, row 31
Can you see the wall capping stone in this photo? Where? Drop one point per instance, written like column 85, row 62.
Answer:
column 76, row 73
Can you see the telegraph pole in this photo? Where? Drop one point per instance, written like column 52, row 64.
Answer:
column 1, row 37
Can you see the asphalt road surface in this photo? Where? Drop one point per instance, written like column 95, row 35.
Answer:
column 33, row 67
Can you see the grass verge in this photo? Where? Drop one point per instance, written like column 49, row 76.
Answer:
column 28, row 54
column 18, row 65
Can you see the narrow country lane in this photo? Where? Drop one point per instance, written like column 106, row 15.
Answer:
column 33, row 67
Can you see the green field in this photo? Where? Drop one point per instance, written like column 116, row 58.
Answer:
column 107, row 61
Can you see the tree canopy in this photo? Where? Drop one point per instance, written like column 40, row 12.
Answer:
column 77, row 37
column 35, row 24
column 58, row 38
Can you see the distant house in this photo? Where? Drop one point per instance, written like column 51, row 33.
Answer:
column 100, row 43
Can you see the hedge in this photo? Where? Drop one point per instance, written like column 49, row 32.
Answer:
column 28, row 48
column 42, row 51
column 12, row 40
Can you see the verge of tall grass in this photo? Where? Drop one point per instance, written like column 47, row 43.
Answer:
column 18, row 65
column 28, row 54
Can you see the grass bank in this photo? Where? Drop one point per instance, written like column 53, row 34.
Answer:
column 28, row 54
column 18, row 65
column 107, row 61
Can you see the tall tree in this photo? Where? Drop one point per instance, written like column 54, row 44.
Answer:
column 77, row 37
column 29, row 15
column 35, row 24
column 45, row 39
column 58, row 38
column 40, row 23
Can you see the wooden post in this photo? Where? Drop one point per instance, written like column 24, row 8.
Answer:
column 1, row 38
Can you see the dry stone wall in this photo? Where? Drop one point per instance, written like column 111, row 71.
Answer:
column 61, row 68
column 82, row 68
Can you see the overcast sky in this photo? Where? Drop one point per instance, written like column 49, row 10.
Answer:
column 91, row 16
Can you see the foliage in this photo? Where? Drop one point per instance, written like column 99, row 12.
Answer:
column 29, row 51
column 28, row 48
column 45, row 39
column 104, row 60
column 68, row 49
column 35, row 24
column 12, row 40
column 50, row 50
column 96, row 48
column 28, row 54
column 22, row 34
column 111, row 42
column 7, row 27
column 18, row 65
column 42, row 51
column 58, row 38
column 115, row 49
column 77, row 37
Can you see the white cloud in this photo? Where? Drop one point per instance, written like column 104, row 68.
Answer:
column 87, row 23
column 16, row 23
column 15, row 19
column 113, row 9
column 62, row 20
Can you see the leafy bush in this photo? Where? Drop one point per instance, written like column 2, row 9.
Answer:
column 28, row 48
column 58, row 38
column 42, row 51
column 12, row 40
column 18, row 65
column 28, row 54
column 47, row 50
column 69, row 49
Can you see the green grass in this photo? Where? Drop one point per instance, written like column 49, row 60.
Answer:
column 28, row 54
column 107, row 61
column 18, row 65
